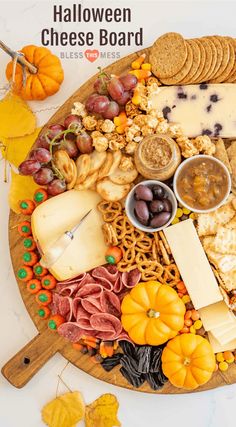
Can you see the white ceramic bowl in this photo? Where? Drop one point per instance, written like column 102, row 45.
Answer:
column 129, row 205
column 189, row 160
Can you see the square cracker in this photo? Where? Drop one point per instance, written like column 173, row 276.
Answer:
column 221, row 153
column 231, row 223
column 229, row 280
column 223, row 263
column 208, row 223
column 225, row 241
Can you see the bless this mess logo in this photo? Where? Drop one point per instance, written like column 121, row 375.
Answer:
column 77, row 14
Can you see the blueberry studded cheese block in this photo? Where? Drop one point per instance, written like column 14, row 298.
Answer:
column 205, row 109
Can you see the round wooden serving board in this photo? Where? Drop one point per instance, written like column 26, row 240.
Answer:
column 27, row 362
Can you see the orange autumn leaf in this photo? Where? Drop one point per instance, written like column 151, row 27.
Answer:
column 102, row 412
column 64, row 411
column 17, row 119
column 15, row 150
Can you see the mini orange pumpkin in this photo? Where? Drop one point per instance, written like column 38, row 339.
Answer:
column 45, row 82
column 152, row 313
column 188, row 361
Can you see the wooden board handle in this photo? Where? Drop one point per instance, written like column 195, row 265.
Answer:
column 27, row 362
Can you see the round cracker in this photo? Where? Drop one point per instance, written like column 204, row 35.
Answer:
column 195, row 78
column 168, row 55
column 230, row 65
column 209, row 56
column 232, row 76
column 225, row 59
column 213, row 61
column 176, row 79
column 195, row 64
column 219, row 50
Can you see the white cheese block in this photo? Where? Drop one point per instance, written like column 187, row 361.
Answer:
column 193, row 264
column 216, row 316
column 60, row 214
column 222, row 330
column 229, row 334
column 217, row 347
column 199, row 109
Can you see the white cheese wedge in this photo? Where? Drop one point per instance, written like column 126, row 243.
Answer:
column 60, row 214
column 216, row 316
column 193, row 264
column 217, row 347
column 199, row 109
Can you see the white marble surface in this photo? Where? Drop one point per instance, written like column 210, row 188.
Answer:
column 20, row 24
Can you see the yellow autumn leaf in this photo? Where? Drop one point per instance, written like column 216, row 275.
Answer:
column 22, row 187
column 102, row 412
column 64, row 411
column 15, row 150
column 17, row 119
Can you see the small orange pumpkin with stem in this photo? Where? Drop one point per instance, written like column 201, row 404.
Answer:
column 152, row 313
column 47, row 79
column 188, row 361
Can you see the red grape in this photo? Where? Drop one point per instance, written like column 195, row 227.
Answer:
column 70, row 147
column 55, row 130
column 73, row 121
column 89, row 105
column 84, row 143
column 100, row 104
column 115, row 88
column 124, row 98
column 112, row 110
column 29, row 167
column 56, row 187
column 42, row 142
column 41, row 154
column 43, row 176
column 129, row 81
column 100, row 84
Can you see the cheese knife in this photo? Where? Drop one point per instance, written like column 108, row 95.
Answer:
column 56, row 250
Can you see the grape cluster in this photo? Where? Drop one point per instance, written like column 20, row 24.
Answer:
column 68, row 137
column 111, row 94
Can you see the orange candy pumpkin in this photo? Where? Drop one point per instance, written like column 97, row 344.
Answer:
column 188, row 361
column 45, row 82
column 152, row 313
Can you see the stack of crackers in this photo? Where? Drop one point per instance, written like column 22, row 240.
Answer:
column 217, row 231
column 177, row 61
column 226, row 152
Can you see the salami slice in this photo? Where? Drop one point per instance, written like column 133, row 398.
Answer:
column 84, row 324
column 131, row 278
column 78, row 310
column 75, row 280
column 118, row 286
column 106, row 323
column 105, row 277
column 110, row 303
column 67, row 290
column 91, row 305
column 71, row 331
column 90, row 290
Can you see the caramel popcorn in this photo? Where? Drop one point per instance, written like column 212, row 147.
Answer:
column 175, row 130
column 186, row 146
column 151, row 80
column 131, row 147
column 140, row 120
column 131, row 132
column 100, row 143
column 162, row 127
column 99, row 125
column 131, row 110
column 152, row 122
column 79, row 109
column 204, row 144
column 115, row 141
column 89, row 122
column 126, row 164
column 108, row 126
column 146, row 130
